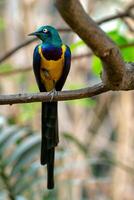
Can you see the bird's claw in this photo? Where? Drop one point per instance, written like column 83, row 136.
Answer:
column 53, row 92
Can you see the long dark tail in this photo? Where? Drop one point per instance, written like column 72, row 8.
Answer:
column 50, row 139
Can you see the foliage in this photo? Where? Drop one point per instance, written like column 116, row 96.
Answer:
column 119, row 39
column 21, row 175
column 126, row 52
column 77, row 44
column 19, row 168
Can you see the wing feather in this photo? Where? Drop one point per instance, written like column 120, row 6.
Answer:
column 66, row 68
column 36, row 68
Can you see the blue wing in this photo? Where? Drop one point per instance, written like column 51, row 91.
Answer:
column 67, row 63
column 36, row 68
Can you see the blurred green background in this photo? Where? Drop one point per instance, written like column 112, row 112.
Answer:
column 94, row 159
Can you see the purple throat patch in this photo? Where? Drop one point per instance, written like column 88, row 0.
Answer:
column 52, row 52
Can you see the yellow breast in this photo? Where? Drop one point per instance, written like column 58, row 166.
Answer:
column 51, row 70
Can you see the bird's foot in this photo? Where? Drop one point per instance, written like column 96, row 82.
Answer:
column 53, row 92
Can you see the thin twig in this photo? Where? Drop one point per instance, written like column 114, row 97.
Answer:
column 14, row 50
column 128, row 25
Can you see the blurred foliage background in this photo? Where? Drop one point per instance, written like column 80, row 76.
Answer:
column 94, row 159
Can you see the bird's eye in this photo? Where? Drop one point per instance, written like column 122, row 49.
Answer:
column 45, row 30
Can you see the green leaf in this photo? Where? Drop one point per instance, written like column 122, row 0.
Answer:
column 96, row 66
column 116, row 36
column 25, row 153
column 27, row 184
column 32, row 169
column 128, row 54
column 12, row 137
column 15, row 161
column 27, row 176
column 6, row 135
column 119, row 39
column 74, row 46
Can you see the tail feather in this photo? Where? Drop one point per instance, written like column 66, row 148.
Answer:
column 50, row 169
column 50, row 138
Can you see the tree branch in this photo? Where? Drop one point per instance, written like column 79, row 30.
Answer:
column 126, row 13
column 120, row 75
column 96, row 39
column 128, row 84
column 46, row 96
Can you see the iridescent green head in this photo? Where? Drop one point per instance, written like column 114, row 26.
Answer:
column 48, row 34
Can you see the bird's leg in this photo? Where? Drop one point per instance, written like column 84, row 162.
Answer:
column 53, row 92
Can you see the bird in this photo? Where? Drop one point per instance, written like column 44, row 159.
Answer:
column 51, row 65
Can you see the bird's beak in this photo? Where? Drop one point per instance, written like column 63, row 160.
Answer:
column 33, row 34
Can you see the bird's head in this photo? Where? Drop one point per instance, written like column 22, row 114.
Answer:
column 47, row 34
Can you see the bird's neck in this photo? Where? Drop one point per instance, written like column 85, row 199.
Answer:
column 55, row 41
